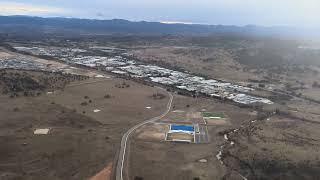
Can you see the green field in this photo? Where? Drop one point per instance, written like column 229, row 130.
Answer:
column 213, row 115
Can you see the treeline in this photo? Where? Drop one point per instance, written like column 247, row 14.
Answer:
column 32, row 83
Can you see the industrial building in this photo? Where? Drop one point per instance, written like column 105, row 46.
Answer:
column 120, row 64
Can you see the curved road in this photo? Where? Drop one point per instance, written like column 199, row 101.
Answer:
column 125, row 137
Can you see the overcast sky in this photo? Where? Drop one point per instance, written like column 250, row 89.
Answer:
column 228, row 12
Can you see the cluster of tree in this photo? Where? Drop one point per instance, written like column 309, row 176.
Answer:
column 280, row 97
column 158, row 96
column 107, row 96
column 32, row 83
column 15, row 83
column 122, row 85
column 85, row 103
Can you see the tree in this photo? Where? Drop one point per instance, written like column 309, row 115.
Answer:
column 84, row 104
column 107, row 96
column 138, row 178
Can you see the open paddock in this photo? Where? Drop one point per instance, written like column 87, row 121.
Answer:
column 213, row 122
column 152, row 132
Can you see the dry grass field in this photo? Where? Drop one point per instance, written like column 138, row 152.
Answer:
column 125, row 105
column 80, row 142
column 312, row 93
column 212, row 62
column 150, row 157
column 281, row 148
column 88, row 116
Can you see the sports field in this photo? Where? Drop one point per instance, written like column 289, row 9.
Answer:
column 213, row 115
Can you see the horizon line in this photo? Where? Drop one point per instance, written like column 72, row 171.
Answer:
column 166, row 22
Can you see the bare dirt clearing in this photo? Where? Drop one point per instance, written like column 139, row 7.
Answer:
column 180, row 137
column 4, row 54
column 105, row 174
column 152, row 132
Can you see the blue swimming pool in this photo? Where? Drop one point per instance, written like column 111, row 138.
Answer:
column 182, row 128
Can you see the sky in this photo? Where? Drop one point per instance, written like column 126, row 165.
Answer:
column 302, row 13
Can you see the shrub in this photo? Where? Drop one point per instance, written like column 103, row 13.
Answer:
column 107, row 96
column 138, row 178
column 84, row 104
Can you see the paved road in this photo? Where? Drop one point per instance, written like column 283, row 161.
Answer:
column 125, row 138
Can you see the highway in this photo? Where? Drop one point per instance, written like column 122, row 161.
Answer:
column 126, row 136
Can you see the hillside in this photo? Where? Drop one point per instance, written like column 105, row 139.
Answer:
column 30, row 25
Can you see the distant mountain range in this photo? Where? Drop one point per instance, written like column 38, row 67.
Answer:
column 31, row 25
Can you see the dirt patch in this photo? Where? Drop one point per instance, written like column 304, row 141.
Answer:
column 194, row 115
column 212, row 122
column 4, row 55
column 180, row 137
column 105, row 174
column 152, row 132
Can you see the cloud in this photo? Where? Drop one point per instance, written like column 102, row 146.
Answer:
column 11, row 8
column 230, row 12
column 176, row 22
column 99, row 14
